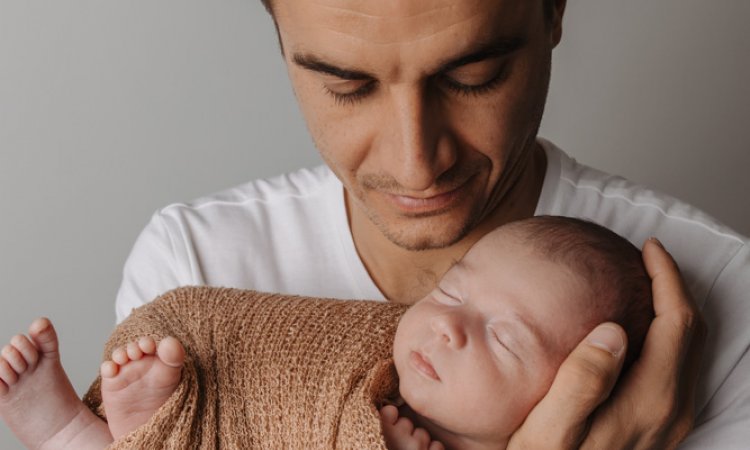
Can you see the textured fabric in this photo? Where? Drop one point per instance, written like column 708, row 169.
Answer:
column 262, row 235
column 266, row 371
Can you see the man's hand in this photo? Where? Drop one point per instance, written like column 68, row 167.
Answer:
column 400, row 434
column 653, row 405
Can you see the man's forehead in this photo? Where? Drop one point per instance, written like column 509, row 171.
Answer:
column 390, row 8
column 390, row 22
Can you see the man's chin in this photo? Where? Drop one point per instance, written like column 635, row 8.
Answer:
column 425, row 234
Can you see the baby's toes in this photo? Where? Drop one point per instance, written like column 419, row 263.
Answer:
column 26, row 348
column 134, row 351
column 7, row 374
column 109, row 369
column 147, row 344
column 15, row 359
column 171, row 352
column 120, row 356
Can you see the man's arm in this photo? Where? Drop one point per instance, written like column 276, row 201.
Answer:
column 653, row 405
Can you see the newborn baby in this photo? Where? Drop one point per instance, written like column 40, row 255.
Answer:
column 473, row 357
column 482, row 349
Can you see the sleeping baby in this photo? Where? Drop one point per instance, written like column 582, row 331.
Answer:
column 205, row 367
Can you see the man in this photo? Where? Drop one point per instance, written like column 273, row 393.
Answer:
column 426, row 113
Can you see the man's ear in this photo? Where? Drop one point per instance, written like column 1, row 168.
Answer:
column 557, row 20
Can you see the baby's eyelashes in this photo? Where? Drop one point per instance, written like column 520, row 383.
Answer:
column 443, row 297
column 501, row 342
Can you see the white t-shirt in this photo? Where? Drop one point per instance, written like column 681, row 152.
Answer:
column 290, row 234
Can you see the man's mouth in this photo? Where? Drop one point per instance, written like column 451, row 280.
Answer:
column 423, row 365
column 430, row 204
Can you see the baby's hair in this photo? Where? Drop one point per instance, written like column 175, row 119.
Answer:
column 612, row 267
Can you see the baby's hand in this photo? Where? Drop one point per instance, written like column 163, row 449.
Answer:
column 400, row 434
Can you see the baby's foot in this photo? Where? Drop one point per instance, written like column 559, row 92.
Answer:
column 138, row 380
column 37, row 400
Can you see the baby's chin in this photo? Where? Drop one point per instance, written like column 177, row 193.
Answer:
column 443, row 426
column 449, row 435
column 420, row 412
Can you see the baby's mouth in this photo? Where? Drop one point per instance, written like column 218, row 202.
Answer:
column 423, row 365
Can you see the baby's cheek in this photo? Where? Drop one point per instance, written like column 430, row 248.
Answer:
column 408, row 389
column 522, row 389
column 539, row 384
column 418, row 400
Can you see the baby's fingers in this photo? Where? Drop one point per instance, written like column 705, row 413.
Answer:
column 404, row 426
column 401, row 434
column 421, row 437
column 436, row 445
column 388, row 415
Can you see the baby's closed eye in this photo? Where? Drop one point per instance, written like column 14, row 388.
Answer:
column 441, row 296
column 502, row 341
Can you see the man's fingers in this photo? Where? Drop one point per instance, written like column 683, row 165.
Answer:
column 656, row 397
column 667, row 286
column 583, row 381
column 678, row 323
column 653, row 404
column 671, row 297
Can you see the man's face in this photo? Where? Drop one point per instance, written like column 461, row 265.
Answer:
column 425, row 110
column 480, row 351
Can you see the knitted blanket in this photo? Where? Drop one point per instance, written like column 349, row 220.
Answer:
column 266, row 371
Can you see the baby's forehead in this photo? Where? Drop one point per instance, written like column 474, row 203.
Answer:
column 503, row 242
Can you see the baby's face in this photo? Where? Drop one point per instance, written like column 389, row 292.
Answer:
column 481, row 350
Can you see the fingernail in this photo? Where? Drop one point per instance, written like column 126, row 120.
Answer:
column 606, row 338
column 656, row 241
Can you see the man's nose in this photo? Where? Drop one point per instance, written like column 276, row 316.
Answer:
column 451, row 329
column 417, row 144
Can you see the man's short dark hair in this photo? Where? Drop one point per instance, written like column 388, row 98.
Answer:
column 549, row 10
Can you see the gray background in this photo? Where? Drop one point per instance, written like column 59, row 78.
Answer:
column 110, row 110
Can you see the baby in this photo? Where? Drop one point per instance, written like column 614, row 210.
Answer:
column 473, row 357
column 482, row 349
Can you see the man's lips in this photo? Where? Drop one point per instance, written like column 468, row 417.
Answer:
column 422, row 365
column 427, row 204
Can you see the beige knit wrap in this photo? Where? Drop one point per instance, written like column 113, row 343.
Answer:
column 266, row 371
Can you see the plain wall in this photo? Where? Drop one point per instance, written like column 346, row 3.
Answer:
column 110, row 110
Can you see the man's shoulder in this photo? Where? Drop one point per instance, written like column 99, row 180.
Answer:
column 305, row 184
column 576, row 188
column 702, row 245
column 265, row 212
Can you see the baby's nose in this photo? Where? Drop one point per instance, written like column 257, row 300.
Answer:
column 451, row 329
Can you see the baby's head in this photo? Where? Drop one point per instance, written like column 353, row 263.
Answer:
column 481, row 350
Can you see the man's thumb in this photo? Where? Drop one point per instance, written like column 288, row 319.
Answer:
column 584, row 380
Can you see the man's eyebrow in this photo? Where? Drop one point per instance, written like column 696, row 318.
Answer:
column 493, row 49
column 311, row 62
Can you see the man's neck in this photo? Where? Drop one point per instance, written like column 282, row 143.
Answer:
column 406, row 276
